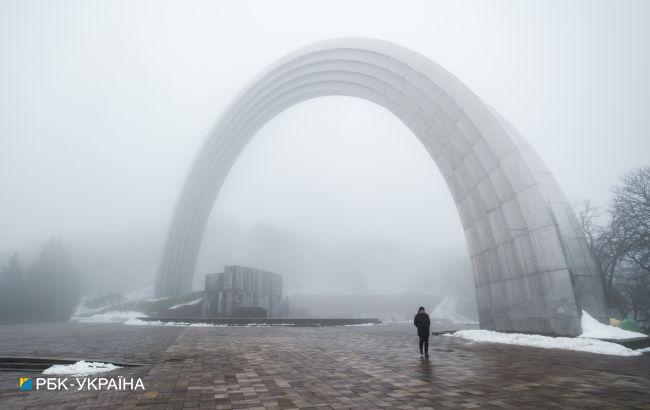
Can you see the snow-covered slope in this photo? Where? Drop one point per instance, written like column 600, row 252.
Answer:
column 449, row 309
column 193, row 302
column 108, row 317
column 594, row 329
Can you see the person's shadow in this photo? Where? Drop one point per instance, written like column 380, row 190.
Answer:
column 426, row 369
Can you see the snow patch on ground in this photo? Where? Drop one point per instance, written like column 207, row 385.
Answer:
column 139, row 322
column 448, row 309
column 592, row 328
column 194, row 302
column 82, row 368
column 579, row 344
column 109, row 317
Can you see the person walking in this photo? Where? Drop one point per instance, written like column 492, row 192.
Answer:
column 422, row 322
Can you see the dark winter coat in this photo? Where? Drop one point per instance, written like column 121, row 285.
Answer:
column 422, row 322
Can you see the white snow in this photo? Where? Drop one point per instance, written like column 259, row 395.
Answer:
column 580, row 344
column 139, row 322
column 594, row 329
column 82, row 368
column 644, row 350
column 194, row 302
column 448, row 309
column 82, row 310
column 145, row 293
column 109, row 317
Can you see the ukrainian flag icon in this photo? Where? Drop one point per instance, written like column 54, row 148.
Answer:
column 25, row 383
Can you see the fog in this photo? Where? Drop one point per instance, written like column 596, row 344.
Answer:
column 103, row 106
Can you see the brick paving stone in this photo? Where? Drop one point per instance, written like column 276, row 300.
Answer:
column 327, row 367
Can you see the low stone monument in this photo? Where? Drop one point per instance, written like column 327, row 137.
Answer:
column 242, row 289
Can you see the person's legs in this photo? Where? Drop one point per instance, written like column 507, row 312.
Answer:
column 421, row 344
column 426, row 346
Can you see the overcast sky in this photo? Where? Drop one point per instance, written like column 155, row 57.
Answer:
column 103, row 106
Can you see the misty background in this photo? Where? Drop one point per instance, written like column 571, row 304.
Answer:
column 103, row 106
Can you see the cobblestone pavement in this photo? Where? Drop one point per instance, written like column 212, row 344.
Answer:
column 337, row 367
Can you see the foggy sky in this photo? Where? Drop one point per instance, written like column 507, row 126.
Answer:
column 103, row 106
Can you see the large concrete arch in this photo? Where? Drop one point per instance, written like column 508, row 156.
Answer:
column 532, row 269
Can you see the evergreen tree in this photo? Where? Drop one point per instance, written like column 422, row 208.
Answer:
column 54, row 289
column 12, row 291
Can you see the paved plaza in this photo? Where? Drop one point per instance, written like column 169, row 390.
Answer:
column 328, row 367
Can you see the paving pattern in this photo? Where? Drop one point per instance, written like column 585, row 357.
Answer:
column 334, row 367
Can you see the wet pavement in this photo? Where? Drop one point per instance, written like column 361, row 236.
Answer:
column 327, row 367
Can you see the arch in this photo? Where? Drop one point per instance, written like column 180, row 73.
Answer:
column 532, row 268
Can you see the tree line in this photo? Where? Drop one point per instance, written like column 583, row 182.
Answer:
column 619, row 242
column 47, row 290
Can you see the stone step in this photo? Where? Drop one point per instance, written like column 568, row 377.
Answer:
column 268, row 322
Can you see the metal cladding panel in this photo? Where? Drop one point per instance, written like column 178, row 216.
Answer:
column 525, row 253
column 513, row 216
column 588, row 290
column 581, row 262
column 485, row 155
column 460, row 142
column 533, row 162
column 499, row 226
column 447, row 160
column 501, row 185
column 499, row 140
column 566, row 219
column 486, row 265
column 525, row 303
column 465, row 212
column 514, row 134
column 451, row 158
column 479, row 114
column 423, row 84
column 453, row 110
column 465, row 178
column 517, row 172
column 485, row 234
column 548, row 249
column 533, row 208
column 456, row 188
column 549, row 187
column 488, row 195
column 473, row 241
column 467, row 128
column 445, row 123
column 474, row 166
column 477, row 205
column 509, row 261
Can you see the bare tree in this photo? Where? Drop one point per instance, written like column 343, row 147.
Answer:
column 619, row 242
column 605, row 245
column 631, row 204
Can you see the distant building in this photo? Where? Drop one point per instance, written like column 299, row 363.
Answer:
column 243, row 292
